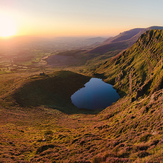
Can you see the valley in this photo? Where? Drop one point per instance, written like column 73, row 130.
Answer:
column 39, row 123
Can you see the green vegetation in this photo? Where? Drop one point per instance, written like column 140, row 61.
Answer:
column 51, row 90
column 142, row 64
column 38, row 122
column 34, row 56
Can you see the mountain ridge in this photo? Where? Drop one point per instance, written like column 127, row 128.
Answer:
column 124, row 40
column 141, row 60
column 107, row 49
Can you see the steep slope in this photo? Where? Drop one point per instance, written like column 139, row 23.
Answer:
column 122, row 41
column 134, row 124
column 124, row 36
column 109, row 48
column 138, row 68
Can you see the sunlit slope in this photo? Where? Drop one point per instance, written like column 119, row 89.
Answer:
column 112, row 46
column 93, row 56
column 139, row 69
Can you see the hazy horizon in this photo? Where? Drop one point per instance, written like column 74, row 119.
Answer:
column 71, row 18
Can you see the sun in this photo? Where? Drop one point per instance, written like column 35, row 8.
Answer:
column 7, row 26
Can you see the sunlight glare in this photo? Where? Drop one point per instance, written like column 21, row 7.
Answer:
column 7, row 26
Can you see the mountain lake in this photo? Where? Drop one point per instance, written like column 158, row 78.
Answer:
column 95, row 95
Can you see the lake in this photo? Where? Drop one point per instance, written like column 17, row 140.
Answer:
column 95, row 95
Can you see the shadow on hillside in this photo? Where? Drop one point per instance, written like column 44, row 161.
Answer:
column 101, row 76
column 52, row 91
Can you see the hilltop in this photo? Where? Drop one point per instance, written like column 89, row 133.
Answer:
column 36, row 128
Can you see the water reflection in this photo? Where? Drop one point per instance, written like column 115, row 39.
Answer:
column 95, row 95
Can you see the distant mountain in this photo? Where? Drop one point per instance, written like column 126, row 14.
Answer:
column 122, row 41
column 123, row 36
column 96, row 39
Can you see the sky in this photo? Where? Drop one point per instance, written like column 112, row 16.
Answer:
column 64, row 18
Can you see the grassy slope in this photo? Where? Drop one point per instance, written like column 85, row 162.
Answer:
column 127, row 131
column 142, row 62
column 51, row 90
column 115, row 45
column 137, row 74
column 94, row 56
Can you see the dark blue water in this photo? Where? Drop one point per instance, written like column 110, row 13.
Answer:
column 95, row 95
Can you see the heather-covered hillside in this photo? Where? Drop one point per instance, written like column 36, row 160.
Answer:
column 130, row 130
